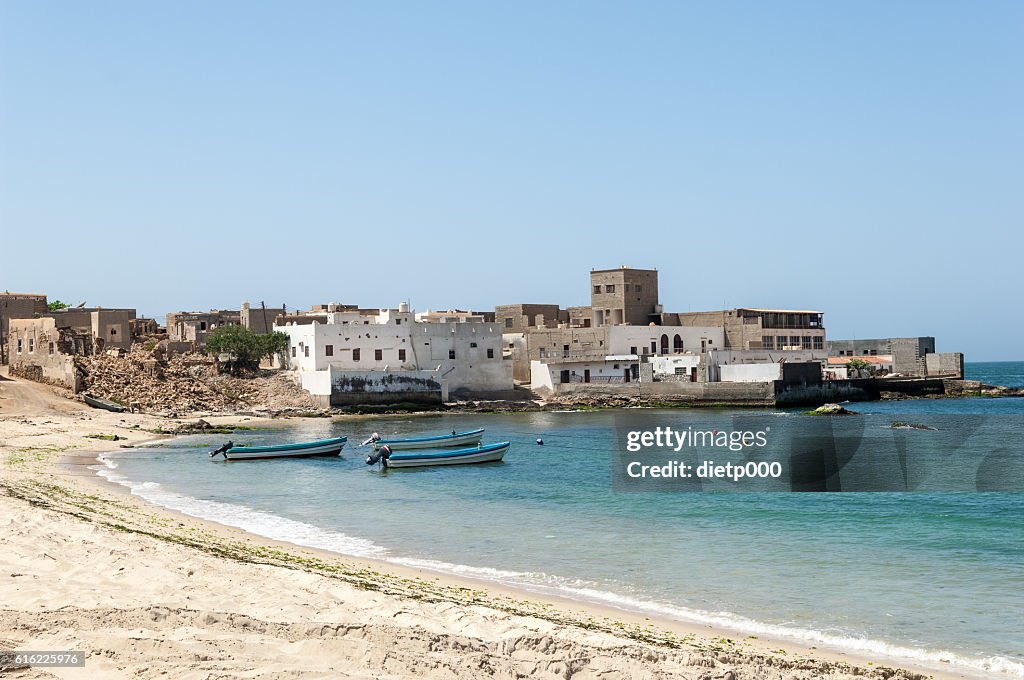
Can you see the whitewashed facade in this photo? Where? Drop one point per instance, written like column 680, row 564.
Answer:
column 390, row 349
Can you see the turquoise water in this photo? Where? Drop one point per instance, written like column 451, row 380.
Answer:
column 930, row 577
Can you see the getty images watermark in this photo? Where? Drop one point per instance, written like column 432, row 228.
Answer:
column 675, row 440
column 659, row 451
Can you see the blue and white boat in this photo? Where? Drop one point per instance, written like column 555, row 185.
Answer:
column 488, row 453
column 323, row 447
column 443, row 441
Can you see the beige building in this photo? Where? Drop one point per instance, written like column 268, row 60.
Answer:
column 753, row 328
column 42, row 350
column 260, row 319
column 193, row 327
column 17, row 306
column 624, row 296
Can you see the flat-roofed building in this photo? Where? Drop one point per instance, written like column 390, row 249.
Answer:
column 624, row 296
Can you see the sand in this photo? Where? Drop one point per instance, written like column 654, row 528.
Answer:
column 148, row 593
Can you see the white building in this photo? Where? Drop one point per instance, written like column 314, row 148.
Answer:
column 389, row 356
column 663, row 340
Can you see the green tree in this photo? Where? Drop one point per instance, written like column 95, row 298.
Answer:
column 860, row 367
column 57, row 305
column 244, row 347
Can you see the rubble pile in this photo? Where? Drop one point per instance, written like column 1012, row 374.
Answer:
column 146, row 381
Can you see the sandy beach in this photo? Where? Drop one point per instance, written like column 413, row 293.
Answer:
column 145, row 592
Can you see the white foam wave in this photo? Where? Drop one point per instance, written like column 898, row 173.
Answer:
column 248, row 519
column 300, row 533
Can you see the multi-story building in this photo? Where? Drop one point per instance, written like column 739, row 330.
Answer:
column 107, row 328
column 754, row 328
column 260, row 320
column 908, row 356
column 193, row 327
column 43, row 348
column 17, row 306
column 624, row 296
column 354, row 357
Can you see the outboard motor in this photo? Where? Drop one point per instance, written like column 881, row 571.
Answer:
column 383, row 454
column 373, row 438
column 221, row 449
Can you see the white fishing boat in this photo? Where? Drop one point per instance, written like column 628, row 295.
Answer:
column 488, row 453
column 468, row 438
column 323, row 447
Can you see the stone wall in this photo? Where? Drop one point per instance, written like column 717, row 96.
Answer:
column 946, row 364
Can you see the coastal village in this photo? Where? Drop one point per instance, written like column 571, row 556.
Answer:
column 624, row 347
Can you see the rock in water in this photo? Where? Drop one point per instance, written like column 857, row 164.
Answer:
column 832, row 410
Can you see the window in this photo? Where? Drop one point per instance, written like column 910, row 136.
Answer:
column 472, row 344
column 398, row 322
column 490, row 353
column 378, row 354
column 780, row 342
column 636, row 287
column 113, row 332
column 202, row 325
column 401, row 355
column 865, row 351
column 767, row 342
column 355, row 354
column 805, row 342
column 305, row 350
column 610, row 288
column 819, row 342
column 597, row 289
column 625, row 288
column 293, row 351
column 51, row 348
column 19, row 345
column 329, row 350
column 874, row 352
column 451, row 354
column 31, row 345
column 632, row 350
column 680, row 370
column 508, row 322
column 794, row 340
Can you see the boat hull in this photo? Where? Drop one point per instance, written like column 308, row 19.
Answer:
column 483, row 454
column 106, row 404
column 330, row 447
column 445, row 441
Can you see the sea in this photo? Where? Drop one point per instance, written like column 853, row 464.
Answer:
column 931, row 578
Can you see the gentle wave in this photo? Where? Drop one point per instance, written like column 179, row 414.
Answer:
column 241, row 517
column 308, row 535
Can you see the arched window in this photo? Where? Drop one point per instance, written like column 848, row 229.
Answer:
column 677, row 344
column 664, row 344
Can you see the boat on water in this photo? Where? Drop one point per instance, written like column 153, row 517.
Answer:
column 323, row 447
column 443, row 441
column 482, row 453
column 100, row 402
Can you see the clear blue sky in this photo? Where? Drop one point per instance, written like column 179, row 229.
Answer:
column 865, row 159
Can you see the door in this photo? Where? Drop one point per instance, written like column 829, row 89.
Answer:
column 565, row 376
column 586, row 375
column 625, row 375
column 693, row 374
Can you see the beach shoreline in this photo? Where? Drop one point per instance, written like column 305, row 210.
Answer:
column 57, row 487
